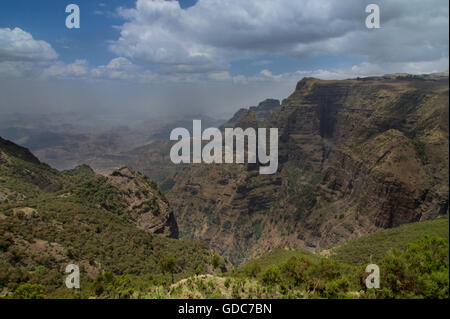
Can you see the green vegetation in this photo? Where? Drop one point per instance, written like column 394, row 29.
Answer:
column 373, row 247
column 418, row 271
column 56, row 218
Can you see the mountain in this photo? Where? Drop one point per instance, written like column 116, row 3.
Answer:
column 120, row 224
column 260, row 112
column 66, row 140
column 362, row 177
column 356, row 156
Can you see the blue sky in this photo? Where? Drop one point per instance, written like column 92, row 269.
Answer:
column 45, row 20
column 250, row 49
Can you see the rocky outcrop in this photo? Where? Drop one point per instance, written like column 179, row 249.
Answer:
column 144, row 202
column 260, row 112
column 17, row 151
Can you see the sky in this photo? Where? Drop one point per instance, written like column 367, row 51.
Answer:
column 156, row 57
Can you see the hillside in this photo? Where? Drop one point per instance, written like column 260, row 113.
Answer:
column 356, row 156
column 364, row 159
column 418, row 270
column 119, row 224
column 373, row 247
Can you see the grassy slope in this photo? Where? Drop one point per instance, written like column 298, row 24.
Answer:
column 360, row 250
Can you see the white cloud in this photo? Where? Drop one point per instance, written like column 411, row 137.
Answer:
column 240, row 79
column 207, row 36
column 17, row 69
column 61, row 70
column 19, row 45
column 220, row 76
column 160, row 42
column 122, row 69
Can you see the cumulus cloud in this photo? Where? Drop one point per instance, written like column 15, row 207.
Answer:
column 19, row 45
column 207, row 36
column 161, row 42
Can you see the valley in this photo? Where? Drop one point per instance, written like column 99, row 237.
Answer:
column 362, row 176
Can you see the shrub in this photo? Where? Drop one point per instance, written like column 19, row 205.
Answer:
column 216, row 261
column 29, row 291
column 271, row 275
column 419, row 271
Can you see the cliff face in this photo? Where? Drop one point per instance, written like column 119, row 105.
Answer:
column 355, row 156
column 145, row 204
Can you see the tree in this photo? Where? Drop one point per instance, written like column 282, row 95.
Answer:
column 168, row 264
column 216, row 261
column 271, row 275
column 199, row 270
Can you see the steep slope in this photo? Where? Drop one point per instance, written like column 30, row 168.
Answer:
column 356, row 156
column 118, row 223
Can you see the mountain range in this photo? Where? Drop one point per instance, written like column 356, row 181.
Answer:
column 356, row 157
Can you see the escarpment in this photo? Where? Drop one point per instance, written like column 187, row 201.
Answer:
column 355, row 156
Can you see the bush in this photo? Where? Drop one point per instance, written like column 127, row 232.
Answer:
column 216, row 261
column 419, row 271
column 199, row 270
column 29, row 291
column 271, row 275
column 168, row 264
column 337, row 288
column 252, row 270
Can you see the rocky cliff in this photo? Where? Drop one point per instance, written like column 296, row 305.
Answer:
column 144, row 202
column 355, row 156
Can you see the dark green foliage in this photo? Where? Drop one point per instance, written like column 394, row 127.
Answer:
column 168, row 264
column 373, row 247
column 419, row 271
column 98, row 192
column 216, row 261
column 199, row 270
column 90, row 234
column 271, row 275
column 29, row 291
column 422, row 270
